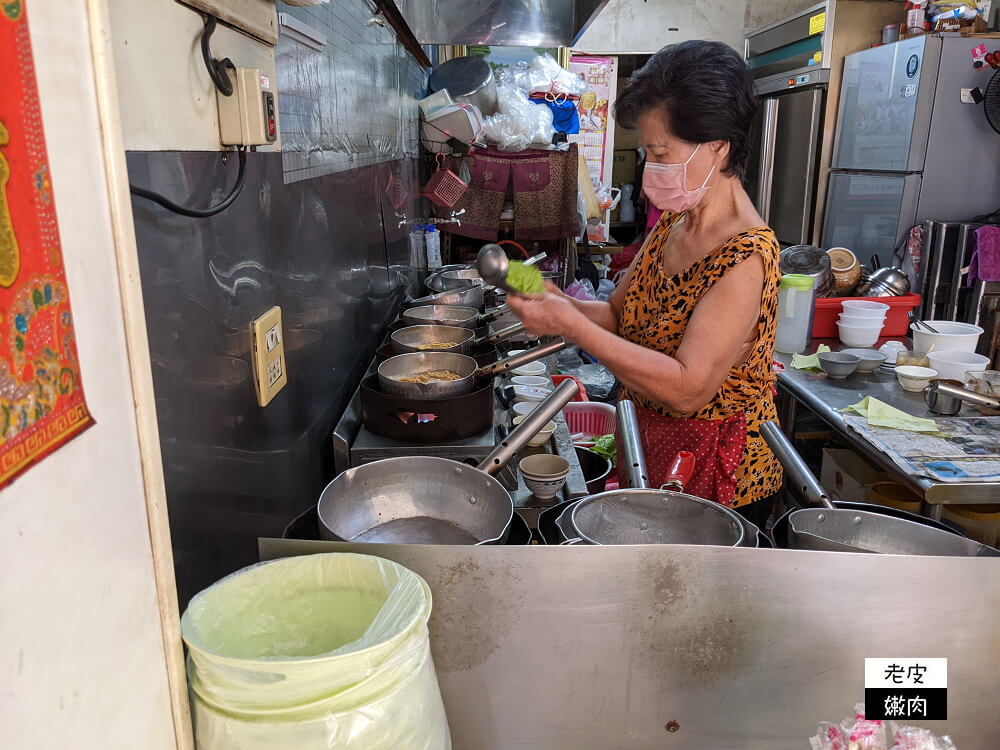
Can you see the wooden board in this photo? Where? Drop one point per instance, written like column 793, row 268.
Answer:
column 256, row 17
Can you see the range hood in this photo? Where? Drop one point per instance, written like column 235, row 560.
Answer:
column 511, row 23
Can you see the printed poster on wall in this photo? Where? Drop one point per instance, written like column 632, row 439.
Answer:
column 41, row 396
column 597, row 126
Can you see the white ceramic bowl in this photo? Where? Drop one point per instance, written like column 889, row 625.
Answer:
column 950, row 336
column 521, row 408
column 543, row 435
column 954, row 365
column 531, row 368
column 859, row 336
column 515, row 352
column 863, row 306
column 890, row 349
column 533, row 381
column 862, row 316
column 851, row 320
column 914, row 379
column 527, row 393
column 544, row 474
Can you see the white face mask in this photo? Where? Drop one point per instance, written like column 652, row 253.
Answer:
column 666, row 185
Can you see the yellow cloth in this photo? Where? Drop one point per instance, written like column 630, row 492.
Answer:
column 809, row 361
column 880, row 414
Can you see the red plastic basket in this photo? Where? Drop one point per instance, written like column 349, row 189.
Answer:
column 445, row 187
column 591, row 418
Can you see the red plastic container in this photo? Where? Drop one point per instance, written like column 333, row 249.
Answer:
column 897, row 321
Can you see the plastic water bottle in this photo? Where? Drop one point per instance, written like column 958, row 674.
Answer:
column 627, row 207
column 418, row 258
column 432, row 239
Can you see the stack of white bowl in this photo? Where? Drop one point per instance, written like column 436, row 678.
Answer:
column 861, row 322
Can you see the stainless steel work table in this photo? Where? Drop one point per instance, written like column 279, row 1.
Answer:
column 825, row 397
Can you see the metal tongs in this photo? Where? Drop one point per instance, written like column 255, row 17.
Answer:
column 492, row 264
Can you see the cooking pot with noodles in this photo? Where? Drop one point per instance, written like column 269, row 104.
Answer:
column 435, row 375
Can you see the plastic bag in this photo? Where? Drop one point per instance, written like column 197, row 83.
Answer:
column 546, row 76
column 581, row 289
column 314, row 652
column 828, row 737
column 862, row 733
column 519, row 123
column 915, row 738
column 597, row 379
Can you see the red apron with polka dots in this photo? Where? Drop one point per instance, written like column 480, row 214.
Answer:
column 718, row 446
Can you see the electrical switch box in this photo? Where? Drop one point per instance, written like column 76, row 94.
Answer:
column 248, row 117
column 269, row 364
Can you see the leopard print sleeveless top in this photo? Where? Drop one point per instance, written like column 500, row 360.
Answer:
column 656, row 312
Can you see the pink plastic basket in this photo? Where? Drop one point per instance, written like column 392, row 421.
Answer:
column 591, row 419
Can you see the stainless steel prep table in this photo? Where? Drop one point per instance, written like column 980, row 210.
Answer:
column 825, row 397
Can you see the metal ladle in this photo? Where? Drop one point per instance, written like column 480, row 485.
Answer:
column 492, row 264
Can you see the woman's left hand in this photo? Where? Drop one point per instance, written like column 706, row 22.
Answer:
column 546, row 314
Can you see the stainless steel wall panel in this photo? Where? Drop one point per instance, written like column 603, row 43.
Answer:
column 320, row 249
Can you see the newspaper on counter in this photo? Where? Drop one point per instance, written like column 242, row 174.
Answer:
column 963, row 449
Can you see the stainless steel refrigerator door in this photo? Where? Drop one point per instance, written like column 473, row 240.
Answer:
column 760, row 166
column 885, row 105
column 792, row 178
column 870, row 213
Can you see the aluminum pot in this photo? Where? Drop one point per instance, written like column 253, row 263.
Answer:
column 460, row 278
column 445, row 338
column 834, row 529
column 645, row 516
column 467, row 296
column 467, row 79
column 468, row 370
column 446, row 315
column 429, row 500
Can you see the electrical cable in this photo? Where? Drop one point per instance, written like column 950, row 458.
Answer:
column 198, row 213
column 216, row 68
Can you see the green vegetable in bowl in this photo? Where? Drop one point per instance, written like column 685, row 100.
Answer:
column 605, row 446
column 525, row 279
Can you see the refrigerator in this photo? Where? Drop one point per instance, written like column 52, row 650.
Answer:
column 911, row 145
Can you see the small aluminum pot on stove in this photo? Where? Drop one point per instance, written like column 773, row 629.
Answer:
column 466, row 368
column 646, row 516
column 462, row 317
column 435, row 338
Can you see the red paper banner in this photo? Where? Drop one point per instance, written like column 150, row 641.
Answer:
column 41, row 396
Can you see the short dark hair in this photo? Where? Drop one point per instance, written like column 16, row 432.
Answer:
column 705, row 91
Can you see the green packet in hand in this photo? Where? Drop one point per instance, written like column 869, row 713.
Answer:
column 525, row 279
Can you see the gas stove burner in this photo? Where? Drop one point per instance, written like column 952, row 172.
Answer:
column 425, row 422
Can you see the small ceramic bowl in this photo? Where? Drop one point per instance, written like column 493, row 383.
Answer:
column 533, row 381
column 527, row 393
column 914, row 379
column 871, row 359
column 544, row 474
column 543, row 435
column 531, row 368
column 838, row 364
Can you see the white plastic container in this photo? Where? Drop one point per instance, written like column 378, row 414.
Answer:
column 861, row 336
column 432, row 240
column 954, row 365
column 796, row 301
column 865, row 307
column 950, row 336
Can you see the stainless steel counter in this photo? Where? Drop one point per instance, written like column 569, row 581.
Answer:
column 825, row 397
column 606, row 647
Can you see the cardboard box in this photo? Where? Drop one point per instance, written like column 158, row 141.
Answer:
column 623, row 167
column 625, row 139
column 847, row 476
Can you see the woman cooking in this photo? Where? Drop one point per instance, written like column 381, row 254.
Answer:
column 689, row 333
